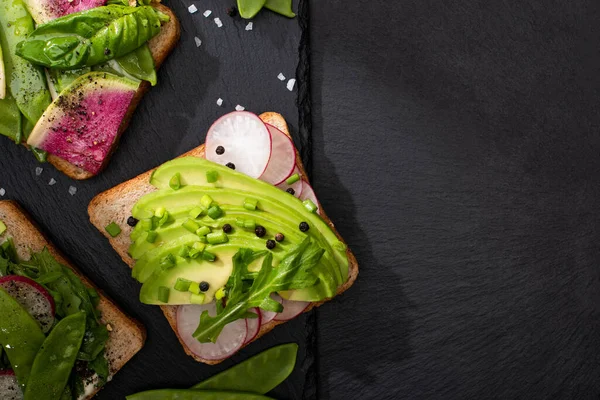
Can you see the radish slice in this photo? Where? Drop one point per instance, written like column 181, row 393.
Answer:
column 291, row 309
column 33, row 297
column 297, row 186
column 2, row 77
column 283, row 158
column 253, row 326
column 229, row 341
column 268, row 316
column 9, row 387
column 309, row 193
column 245, row 141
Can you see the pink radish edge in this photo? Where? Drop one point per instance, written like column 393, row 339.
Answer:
column 34, row 284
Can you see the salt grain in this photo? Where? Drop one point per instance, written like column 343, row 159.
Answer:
column 207, row 13
column 219, row 102
column 198, row 41
column 38, row 171
column 2, row 192
column 72, row 190
column 218, row 22
column 192, row 9
column 239, row 108
column 52, row 181
column 290, row 84
column 249, row 26
column 281, row 77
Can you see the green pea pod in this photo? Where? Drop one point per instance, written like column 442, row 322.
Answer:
column 139, row 64
column 259, row 374
column 55, row 359
column 20, row 336
column 283, row 7
column 91, row 37
column 26, row 82
column 10, row 118
column 249, row 8
column 188, row 394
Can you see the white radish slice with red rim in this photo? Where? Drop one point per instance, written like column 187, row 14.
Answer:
column 291, row 309
column 296, row 186
column 252, row 325
column 268, row 316
column 229, row 341
column 33, row 297
column 309, row 194
column 283, row 157
column 9, row 386
column 245, row 141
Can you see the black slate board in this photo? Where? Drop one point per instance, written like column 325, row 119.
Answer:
column 239, row 66
column 456, row 148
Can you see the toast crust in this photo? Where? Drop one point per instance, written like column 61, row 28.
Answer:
column 127, row 336
column 160, row 47
column 114, row 205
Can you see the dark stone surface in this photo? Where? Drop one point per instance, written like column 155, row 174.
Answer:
column 456, row 148
column 237, row 65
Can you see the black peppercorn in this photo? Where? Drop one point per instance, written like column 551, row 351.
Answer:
column 291, row 191
column 204, row 286
column 220, row 150
column 226, row 228
column 304, row 226
column 270, row 244
column 132, row 221
column 279, row 237
column 230, row 165
column 260, row 231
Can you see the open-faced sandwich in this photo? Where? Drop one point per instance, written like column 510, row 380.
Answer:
column 60, row 338
column 73, row 71
column 229, row 239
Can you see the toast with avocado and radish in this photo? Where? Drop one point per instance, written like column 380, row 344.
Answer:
column 75, row 73
column 227, row 256
column 47, row 309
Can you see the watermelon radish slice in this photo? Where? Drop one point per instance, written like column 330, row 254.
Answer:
column 291, row 309
column 252, row 326
column 9, row 387
column 44, row 11
column 82, row 124
column 268, row 316
column 309, row 193
column 2, row 77
column 51, row 85
column 230, row 340
column 283, row 157
column 241, row 141
column 32, row 297
column 296, row 186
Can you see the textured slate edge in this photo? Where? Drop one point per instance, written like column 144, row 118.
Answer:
column 310, row 364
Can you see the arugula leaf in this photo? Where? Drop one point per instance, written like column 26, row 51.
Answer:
column 293, row 272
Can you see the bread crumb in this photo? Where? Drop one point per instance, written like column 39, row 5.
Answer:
column 109, row 327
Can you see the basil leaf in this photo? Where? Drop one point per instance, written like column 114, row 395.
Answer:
column 139, row 64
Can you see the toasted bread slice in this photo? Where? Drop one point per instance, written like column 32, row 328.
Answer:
column 160, row 46
column 115, row 205
column 126, row 335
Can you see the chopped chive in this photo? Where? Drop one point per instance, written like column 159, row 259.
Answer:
column 197, row 249
column 203, row 231
column 217, row 237
column 175, row 182
column 202, row 239
column 220, row 293
column 309, row 205
column 195, row 212
column 163, row 220
column 113, row 229
column 151, row 238
column 191, row 225
column 182, row 285
column 197, row 298
column 250, row 204
column 215, row 212
column 184, row 251
column 212, row 176
column 3, row 228
column 163, row 294
column 168, row 261
column 160, row 212
column 146, row 224
column 250, row 224
column 292, row 179
column 206, row 201
column 194, row 288
column 239, row 222
column 208, row 256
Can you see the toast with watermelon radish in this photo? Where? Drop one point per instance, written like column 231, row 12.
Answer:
column 116, row 204
column 125, row 335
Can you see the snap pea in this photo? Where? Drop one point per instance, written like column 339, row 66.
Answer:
column 91, row 37
column 249, row 8
column 55, row 359
column 26, row 82
column 187, row 394
column 139, row 64
column 259, row 374
column 20, row 336
column 283, row 7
